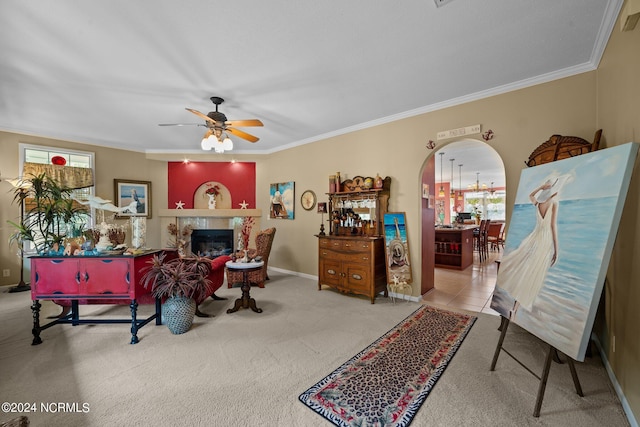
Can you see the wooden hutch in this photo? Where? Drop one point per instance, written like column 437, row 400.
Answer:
column 351, row 257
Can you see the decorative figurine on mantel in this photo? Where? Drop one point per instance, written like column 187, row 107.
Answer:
column 212, row 192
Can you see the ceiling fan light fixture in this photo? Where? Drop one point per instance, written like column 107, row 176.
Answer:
column 225, row 145
column 217, row 140
column 207, row 143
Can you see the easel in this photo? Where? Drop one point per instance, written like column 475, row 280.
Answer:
column 551, row 355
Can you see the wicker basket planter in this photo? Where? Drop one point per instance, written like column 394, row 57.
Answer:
column 180, row 282
column 178, row 314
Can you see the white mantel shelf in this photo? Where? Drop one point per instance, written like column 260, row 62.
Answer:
column 211, row 213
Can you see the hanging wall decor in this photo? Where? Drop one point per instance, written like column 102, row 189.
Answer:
column 282, row 197
column 134, row 197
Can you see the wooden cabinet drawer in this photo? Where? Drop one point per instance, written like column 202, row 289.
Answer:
column 358, row 257
column 364, row 257
column 346, row 245
column 357, row 246
column 331, row 244
column 324, row 253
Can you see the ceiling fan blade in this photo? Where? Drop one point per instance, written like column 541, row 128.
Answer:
column 202, row 116
column 242, row 134
column 242, row 123
column 180, row 124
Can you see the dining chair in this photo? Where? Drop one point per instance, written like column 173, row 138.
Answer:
column 494, row 235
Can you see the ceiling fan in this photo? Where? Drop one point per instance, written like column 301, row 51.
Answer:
column 216, row 137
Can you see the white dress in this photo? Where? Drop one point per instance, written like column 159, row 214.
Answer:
column 523, row 270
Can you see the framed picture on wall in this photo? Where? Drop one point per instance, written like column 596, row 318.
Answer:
column 134, row 197
column 282, row 200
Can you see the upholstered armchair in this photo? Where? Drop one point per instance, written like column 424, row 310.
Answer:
column 264, row 240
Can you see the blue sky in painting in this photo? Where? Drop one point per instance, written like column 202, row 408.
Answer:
column 596, row 171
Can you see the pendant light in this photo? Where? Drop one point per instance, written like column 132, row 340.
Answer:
column 452, row 193
column 460, row 195
column 441, row 192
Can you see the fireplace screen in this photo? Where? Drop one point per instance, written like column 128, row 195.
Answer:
column 212, row 243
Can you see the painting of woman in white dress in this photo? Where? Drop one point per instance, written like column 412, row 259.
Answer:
column 558, row 246
column 525, row 268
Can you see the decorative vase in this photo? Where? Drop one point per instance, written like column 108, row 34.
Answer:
column 212, row 201
column 378, row 183
column 178, row 313
column 138, row 231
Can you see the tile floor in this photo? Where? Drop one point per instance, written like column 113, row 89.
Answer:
column 469, row 289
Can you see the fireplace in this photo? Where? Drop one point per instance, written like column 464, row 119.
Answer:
column 212, row 243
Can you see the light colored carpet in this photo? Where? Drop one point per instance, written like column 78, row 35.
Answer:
column 247, row 369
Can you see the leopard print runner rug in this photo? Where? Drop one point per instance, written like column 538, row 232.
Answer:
column 385, row 384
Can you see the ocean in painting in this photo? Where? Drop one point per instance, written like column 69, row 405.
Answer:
column 563, row 305
column 390, row 231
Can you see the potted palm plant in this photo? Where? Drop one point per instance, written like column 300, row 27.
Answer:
column 50, row 214
column 179, row 282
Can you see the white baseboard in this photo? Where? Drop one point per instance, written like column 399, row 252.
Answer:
column 614, row 381
column 400, row 297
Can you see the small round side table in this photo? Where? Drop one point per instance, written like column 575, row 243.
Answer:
column 245, row 301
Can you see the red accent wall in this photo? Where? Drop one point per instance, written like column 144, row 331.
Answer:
column 185, row 178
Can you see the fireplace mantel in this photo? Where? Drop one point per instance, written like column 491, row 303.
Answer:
column 210, row 213
column 199, row 219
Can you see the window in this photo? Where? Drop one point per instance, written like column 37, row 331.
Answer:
column 52, row 155
column 491, row 206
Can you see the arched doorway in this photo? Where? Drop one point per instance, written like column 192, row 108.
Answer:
column 464, row 176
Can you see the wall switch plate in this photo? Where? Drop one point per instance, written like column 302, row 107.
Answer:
column 6, row 272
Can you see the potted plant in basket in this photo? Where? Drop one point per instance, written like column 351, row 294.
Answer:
column 179, row 282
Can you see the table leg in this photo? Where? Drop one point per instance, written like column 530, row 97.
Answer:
column 134, row 321
column 245, row 301
column 158, row 312
column 35, row 309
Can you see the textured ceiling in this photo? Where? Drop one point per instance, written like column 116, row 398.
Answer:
column 108, row 73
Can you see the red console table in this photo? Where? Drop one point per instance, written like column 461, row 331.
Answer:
column 90, row 279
